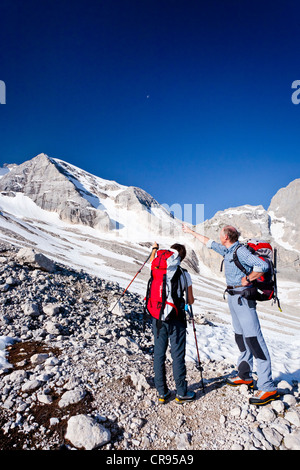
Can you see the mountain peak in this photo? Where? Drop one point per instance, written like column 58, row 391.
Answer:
column 45, row 182
column 82, row 198
column 284, row 213
column 42, row 156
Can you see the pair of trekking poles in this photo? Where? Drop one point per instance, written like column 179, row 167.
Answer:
column 188, row 309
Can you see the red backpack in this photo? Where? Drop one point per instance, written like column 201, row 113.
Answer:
column 265, row 287
column 162, row 297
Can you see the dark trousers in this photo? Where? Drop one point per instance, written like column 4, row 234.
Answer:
column 175, row 331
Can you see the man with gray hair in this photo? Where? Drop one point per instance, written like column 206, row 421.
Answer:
column 246, row 325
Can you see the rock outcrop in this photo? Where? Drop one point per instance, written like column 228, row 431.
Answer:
column 284, row 213
column 81, row 198
column 45, row 182
column 251, row 221
column 279, row 225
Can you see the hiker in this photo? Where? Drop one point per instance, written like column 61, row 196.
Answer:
column 246, row 325
column 173, row 327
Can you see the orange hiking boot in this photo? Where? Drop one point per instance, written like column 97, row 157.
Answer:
column 263, row 398
column 165, row 397
column 236, row 381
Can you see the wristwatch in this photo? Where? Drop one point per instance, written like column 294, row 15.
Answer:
column 247, row 279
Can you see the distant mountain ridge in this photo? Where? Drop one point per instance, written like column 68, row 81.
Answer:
column 79, row 198
column 280, row 225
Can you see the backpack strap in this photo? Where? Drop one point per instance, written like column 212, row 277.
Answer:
column 148, row 292
column 276, row 299
column 183, row 271
column 237, row 262
column 163, row 303
column 221, row 267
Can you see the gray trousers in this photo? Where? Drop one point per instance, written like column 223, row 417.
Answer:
column 250, row 342
column 175, row 331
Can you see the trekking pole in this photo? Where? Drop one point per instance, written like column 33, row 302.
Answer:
column 275, row 280
column 189, row 309
column 110, row 311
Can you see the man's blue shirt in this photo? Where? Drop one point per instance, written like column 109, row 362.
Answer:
column 250, row 262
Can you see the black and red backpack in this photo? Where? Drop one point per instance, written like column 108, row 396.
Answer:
column 265, row 287
column 162, row 300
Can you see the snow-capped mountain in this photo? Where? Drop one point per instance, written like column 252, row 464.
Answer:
column 83, row 220
column 279, row 225
column 107, row 228
column 81, row 198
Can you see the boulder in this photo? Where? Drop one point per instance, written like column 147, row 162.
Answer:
column 37, row 260
column 85, row 433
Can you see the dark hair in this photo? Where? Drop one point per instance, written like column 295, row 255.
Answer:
column 232, row 233
column 181, row 250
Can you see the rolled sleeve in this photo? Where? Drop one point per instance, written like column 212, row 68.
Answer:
column 261, row 268
column 257, row 264
column 209, row 243
column 189, row 279
column 258, row 269
column 217, row 247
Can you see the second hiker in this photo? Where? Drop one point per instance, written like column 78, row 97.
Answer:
column 165, row 303
column 246, row 325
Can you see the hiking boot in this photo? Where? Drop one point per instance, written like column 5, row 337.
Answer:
column 263, row 398
column 236, row 381
column 164, row 398
column 190, row 396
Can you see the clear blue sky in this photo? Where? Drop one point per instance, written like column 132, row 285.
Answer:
column 187, row 99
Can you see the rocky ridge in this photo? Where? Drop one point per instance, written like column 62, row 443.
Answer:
column 79, row 197
column 45, row 182
column 73, row 364
column 75, row 217
column 258, row 223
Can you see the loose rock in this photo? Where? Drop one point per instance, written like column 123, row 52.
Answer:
column 82, row 378
column 84, row 432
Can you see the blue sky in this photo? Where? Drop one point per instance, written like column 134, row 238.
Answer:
column 187, row 99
